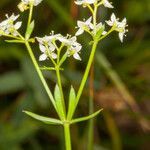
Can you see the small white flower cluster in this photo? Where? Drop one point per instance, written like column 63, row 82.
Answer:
column 24, row 4
column 49, row 48
column 35, row 2
column 113, row 22
column 88, row 26
column 119, row 26
column 8, row 27
column 106, row 3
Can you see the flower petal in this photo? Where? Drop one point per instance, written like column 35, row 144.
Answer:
column 42, row 57
column 42, row 48
column 76, row 56
column 79, row 32
column 18, row 25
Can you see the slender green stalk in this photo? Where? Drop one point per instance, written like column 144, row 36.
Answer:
column 30, row 15
column 91, row 110
column 67, row 136
column 91, row 58
column 85, row 76
column 40, row 74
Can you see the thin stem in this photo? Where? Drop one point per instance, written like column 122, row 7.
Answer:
column 84, row 79
column 40, row 74
column 95, row 17
column 91, row 110
column 30, row 15
column 49, row 55
column 90, row 8
column 67, row 136
column 11, row 36
column 61, row 90
column 102, row 37
column 99, row 4
column 20, row 35
column 63, row 59
column 91, row 58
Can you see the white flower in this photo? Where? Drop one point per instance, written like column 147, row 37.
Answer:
column 53, row 37
column 122, row 29
column 84, row 25
column 35, row 2
column 118, row 26
column 113, row 20
column 73, row 46
column 85, row 2
column 47, row 48
column 8, row 27
column 106, row 3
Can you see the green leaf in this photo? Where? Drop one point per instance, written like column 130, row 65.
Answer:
column 14, row 41
column 86, row 118
column 57, row 96
column 29, row 30
column 46, row 120
column 72, row 97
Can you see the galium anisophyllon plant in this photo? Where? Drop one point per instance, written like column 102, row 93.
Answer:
column 57, row 48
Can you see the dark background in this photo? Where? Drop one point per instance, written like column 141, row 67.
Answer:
column 121, row 126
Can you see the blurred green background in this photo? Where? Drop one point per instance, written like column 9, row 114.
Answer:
column 122, row 125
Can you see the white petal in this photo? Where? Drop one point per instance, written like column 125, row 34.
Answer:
column 90, row 1
column 80, row 24
column 121, row 34
column 51, row 47
column 18, row 25
column 78, row 2
column 42, row 48
column 107, row 4
column 36, row 2
column 76, row 56
column 110, row 23
column 91, row 26
column 113, row 18
column 88, row 21
column 54, row 56
column 104, row 32
column 42, row 57
column 79, row 32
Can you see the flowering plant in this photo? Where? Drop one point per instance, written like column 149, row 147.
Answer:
column 57, row 49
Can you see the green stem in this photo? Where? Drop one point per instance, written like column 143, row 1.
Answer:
column 84, row 79
column 91, row 110
column 61, row 90
column 40, row 74
column 67, row 136
column 30, row 15
column 11, row 36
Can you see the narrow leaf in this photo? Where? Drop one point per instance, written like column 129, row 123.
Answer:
column 86, row 118
column 46, row 120
column 14, row 41
column 29, row 30
column 57, row 96
column 72, row 97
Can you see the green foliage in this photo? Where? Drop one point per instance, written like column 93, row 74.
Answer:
column 21, row 88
